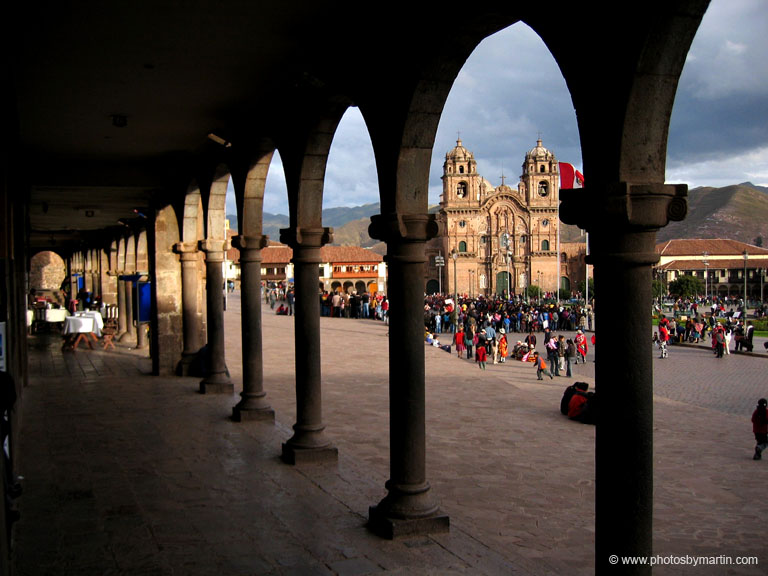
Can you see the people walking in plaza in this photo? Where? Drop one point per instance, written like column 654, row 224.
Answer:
column 562, row 348
column 570, row 356
column 458, row 340
column 718, row 337
column 551, row 347
column 481, row 356
column 469, row 340
column 581, row 347
column 760, row 427
column 503, row 346
column 541, row 367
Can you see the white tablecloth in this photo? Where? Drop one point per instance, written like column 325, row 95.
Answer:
column 98, row 321
column 30, row 317
column 56, row 314
column 80, row 324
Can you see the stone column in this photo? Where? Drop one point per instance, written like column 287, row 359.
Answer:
column 622, row 242
column 122, row 312
column 188, row 255
column 410, row 507
column 217, row 377
column 253, row 405
column 308, row 443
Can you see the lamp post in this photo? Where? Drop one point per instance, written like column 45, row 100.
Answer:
column 706, row 275
column 455, row 256
column 746, row 257
column 440, row 263
column 761, row 272
column 471, row 283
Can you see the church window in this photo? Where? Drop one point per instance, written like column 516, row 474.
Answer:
column 545, row 222
column 543, row 190
column 462, row 223
column 545, row 245
column 461, row 169
column 542, row 168
column 462, row 246
column 523, row 240
column 461, row 190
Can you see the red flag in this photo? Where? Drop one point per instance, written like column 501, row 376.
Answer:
column 570, row 177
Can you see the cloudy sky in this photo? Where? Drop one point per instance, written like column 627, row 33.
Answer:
column 510, row 91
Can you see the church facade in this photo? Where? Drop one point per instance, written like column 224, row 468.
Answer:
column 497, row 240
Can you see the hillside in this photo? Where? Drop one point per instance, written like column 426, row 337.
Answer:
column 738, row 212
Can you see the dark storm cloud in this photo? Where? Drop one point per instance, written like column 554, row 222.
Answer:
column 510, row 91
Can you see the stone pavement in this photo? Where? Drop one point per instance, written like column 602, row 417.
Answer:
column 128, row 474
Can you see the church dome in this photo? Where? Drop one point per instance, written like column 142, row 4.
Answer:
column 459, row 153
column 539, row 152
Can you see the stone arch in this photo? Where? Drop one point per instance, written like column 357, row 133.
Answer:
column 215, row 204
column 167, row 341
column 47, row 270
column 130, row 254
column 249, row 177
column 305, row 159
column 192, row 225
column 142, row 252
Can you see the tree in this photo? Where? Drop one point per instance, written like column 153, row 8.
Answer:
column 582, row 288
column 686, row 287
column 759, row 241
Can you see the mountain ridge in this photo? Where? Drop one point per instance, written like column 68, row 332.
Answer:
column 738, row 212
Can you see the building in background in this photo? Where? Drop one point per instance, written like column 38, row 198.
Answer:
column 721, row 264
column 343, row 268
column 501, row 240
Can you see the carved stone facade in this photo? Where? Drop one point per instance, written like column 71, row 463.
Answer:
column 497, row 240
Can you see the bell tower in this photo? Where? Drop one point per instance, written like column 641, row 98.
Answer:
column 461, row 183
column 541, row 177
column 541, row 182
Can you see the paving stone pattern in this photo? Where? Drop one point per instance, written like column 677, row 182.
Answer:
column 129, row 474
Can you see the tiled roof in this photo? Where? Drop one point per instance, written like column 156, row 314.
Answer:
column 725, row 264
column 712, row 246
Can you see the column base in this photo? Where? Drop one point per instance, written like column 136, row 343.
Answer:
column 392, row 528
column 322, row 454
column 217, row 386
column 240, row 414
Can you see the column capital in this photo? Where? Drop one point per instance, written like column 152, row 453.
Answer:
column 403, row 227
column 625, row 206
column 250, row 242
column 306, row 237
column 212, row 245
column 185, row 247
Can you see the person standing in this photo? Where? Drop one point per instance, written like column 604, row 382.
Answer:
column 503, row 346
column 581, row 347
column 561, row 352
column 570, row 356
column 481, row 356
column 458, row 340
column 760, row 428
column 469, row 340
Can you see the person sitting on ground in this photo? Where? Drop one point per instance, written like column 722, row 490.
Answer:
column 582, row 406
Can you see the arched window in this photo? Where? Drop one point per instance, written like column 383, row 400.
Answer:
column 543, row 190
column 542, row 168
column 461, row 189
column 461, row 169
column 462, row 246
column 545, row 245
